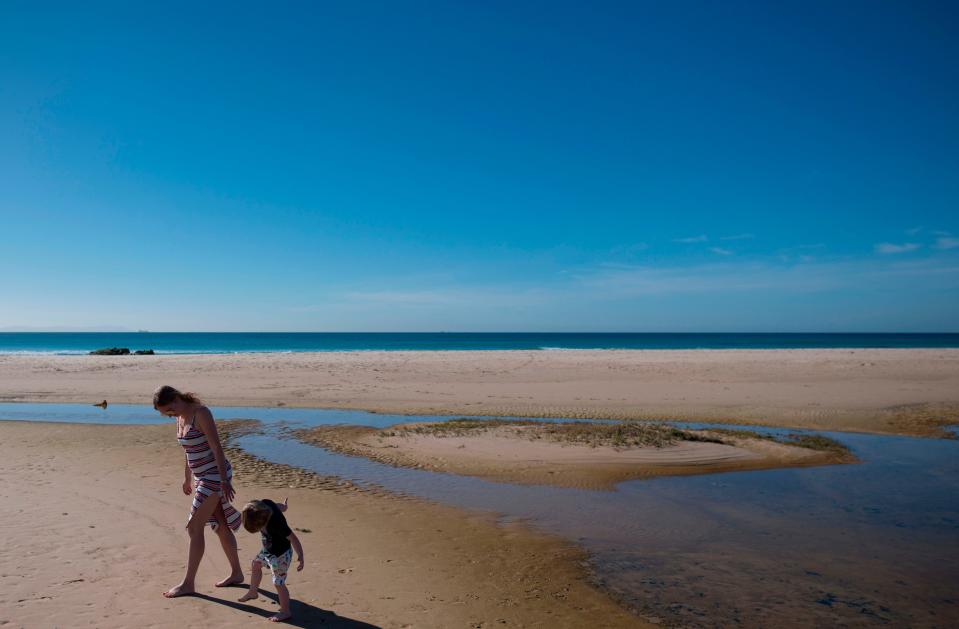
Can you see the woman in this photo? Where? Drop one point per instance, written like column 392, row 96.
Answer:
column 207, row 475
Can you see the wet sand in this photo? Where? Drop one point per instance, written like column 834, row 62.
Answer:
column 524, row 454
column 899, row 391
column 95, row 534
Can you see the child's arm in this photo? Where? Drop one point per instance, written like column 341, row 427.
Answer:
column 295, row 542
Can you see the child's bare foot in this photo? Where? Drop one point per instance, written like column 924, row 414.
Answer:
column 233, row 579
column 281, row 616
column 249, row 596
column 179, row 590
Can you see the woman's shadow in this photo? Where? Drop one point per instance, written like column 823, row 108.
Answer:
column 304, row 614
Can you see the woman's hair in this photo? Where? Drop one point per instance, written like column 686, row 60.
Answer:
column 255, row 515
column 166, row 395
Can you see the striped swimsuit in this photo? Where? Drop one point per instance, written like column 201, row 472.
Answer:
column 206, row 475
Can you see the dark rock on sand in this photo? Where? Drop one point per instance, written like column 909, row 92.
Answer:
column 111, row 351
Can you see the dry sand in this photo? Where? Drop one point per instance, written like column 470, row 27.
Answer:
column 520, row 454
column 905, row 391
column 93, row 533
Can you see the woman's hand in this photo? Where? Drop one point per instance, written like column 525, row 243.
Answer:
column 187, row 487
column 228, row 491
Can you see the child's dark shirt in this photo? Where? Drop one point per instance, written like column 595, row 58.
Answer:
column 275, row 532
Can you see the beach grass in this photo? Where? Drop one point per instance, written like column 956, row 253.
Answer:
column 611, row 434
column 809, row 441
column 594, row 434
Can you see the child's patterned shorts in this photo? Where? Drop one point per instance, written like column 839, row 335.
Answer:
column 279, row 566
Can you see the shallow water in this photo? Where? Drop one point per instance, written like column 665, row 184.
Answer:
column 869, row 544
column 859, row 545
column 139, row 414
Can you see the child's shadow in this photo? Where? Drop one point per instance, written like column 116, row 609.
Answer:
column 304, row 614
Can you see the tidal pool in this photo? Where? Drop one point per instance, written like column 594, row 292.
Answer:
column 868, row 544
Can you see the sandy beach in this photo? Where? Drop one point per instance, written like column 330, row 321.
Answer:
column 101, row 536
column 108, row 513
column 903, row 391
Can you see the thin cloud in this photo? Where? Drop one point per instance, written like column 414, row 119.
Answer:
column 737, row 237
column 732, row 276
column 691, row 239
column 913, row 231
column 584, row 289
column 888, row 247
column 419, row 297
column 627, row 250
column 791, row 254
column 720, row 251
column 488, row 295
column 946, row 242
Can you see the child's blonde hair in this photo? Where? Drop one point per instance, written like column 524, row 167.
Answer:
column 255, row 515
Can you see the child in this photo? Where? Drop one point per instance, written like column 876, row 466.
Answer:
column 267, row 517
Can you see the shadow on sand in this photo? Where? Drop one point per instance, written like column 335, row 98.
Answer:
column 304, row 614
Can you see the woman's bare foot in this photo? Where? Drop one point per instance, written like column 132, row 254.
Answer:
column 178, row 590
column 233, row 579
column 249, row 596
column 281, row 616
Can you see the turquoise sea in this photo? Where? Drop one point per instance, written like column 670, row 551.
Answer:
column 246, row 342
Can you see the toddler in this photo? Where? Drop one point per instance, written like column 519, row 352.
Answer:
column 279, row 542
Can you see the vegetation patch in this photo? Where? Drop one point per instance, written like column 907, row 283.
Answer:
column 811, row 442
column 614, row 434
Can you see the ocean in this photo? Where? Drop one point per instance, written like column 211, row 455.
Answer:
column 252, row 342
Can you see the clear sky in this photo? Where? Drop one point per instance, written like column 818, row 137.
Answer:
column 547, row 166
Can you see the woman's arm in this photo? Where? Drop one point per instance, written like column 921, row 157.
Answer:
column 187, row 476
column 205, row 419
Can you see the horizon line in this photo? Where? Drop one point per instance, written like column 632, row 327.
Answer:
column 114, row 331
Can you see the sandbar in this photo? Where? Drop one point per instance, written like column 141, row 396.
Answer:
column 567, row 455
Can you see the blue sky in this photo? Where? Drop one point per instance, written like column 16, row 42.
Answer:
column 480, row 166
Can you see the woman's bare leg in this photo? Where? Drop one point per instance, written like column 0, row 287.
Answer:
column 195, row 529
column 228, row 541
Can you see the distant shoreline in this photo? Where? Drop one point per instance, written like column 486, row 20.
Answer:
column 268, row 352
column 892, row 391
